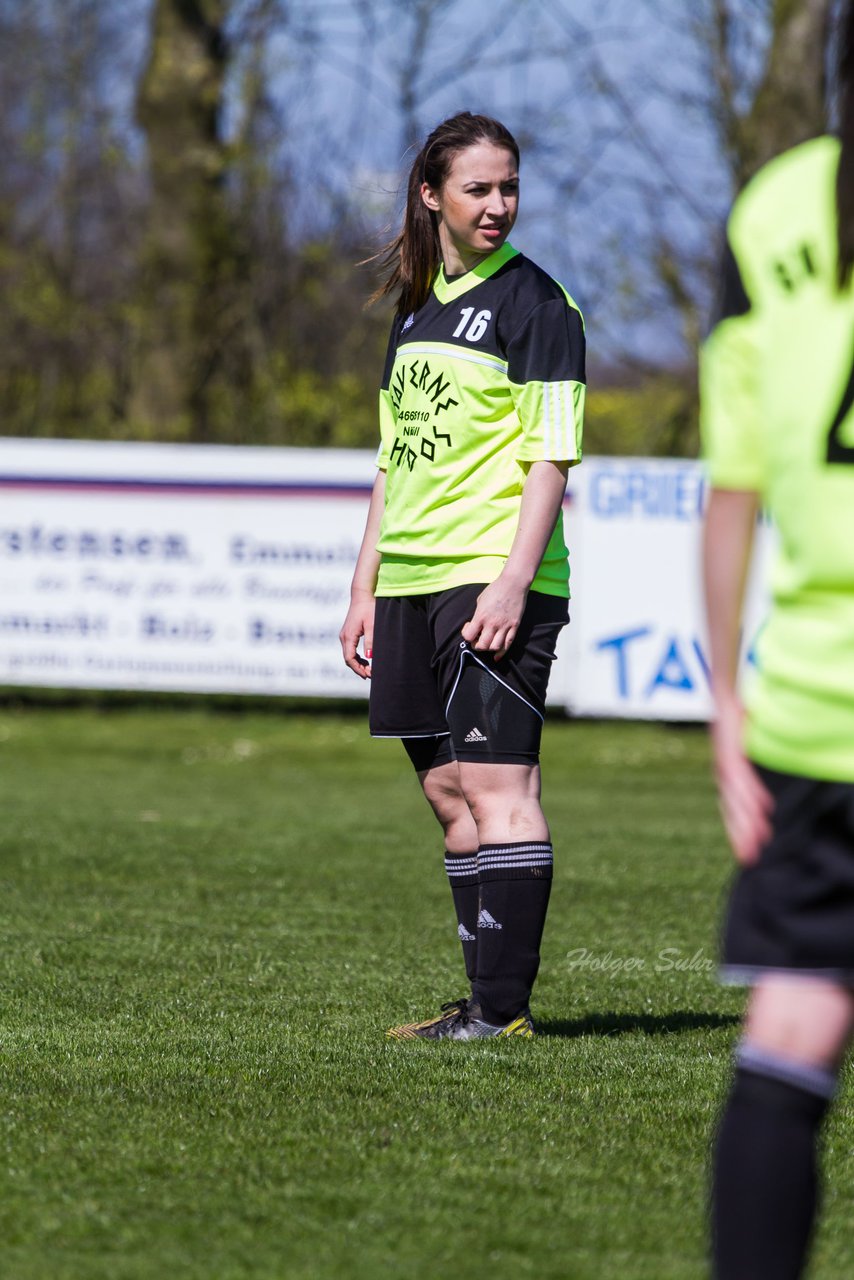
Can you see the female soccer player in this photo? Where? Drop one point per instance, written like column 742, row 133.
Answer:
column 777, row 383
column 461, row 584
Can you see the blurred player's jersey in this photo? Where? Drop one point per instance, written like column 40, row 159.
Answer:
column 777, row 378
column 486, row 378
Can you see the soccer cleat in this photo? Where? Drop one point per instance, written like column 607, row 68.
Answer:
column 428, row 1030
column 460, row 1020
column 468, row 1026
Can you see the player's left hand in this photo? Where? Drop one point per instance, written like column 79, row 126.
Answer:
column 496, row 618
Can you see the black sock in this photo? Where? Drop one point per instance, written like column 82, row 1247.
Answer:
column 515, row 882
column 462, row 877
column 765, row 1183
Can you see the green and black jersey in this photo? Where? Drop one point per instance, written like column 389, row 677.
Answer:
column 486, row 378
column 777, row 416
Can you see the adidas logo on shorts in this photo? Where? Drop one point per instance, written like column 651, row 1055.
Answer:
column 475, row 735
column 486, row 921
column 464, row 934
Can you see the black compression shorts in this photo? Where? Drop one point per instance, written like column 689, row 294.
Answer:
column 793, row 910
column 449, row 701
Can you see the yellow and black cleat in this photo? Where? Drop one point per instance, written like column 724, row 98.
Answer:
column 429, row 1030
column 463, row 1020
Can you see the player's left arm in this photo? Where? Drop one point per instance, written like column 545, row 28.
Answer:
column 546, row 372
column 500, row 605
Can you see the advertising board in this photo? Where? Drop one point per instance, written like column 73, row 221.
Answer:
column 218, row 569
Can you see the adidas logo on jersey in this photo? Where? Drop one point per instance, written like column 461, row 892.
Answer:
column 486, row 921
column 475, row 735
column 464, row 934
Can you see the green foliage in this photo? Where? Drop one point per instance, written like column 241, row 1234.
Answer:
column 157, row 293
column 209, row 924
column 315, row 410
column 160, row 293
column 656, row 417
column 165, row 274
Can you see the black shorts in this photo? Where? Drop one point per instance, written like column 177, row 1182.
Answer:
column 793, row 910
column 429, row 687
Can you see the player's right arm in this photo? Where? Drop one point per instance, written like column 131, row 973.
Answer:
column 727, row 543
column 731, row 422
column 359, row 623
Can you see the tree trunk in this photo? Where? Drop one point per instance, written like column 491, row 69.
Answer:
column 790, row 104
column 192, row 267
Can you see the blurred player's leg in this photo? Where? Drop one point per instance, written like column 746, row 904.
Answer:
column 766, row 1185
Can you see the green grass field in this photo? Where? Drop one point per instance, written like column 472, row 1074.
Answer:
column 209, row 919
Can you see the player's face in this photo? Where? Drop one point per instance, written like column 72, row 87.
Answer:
column 476, row 205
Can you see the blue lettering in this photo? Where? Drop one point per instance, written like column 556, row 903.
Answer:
column 80, row 624
column 175, row 547
column 618, row 644
column 752, row 657
column 702, row 659
column 637, row 491
column 649, row 493
column 66, row 544
column 604, row 497
column 244, row 549
column 156, row 626
column 672, row 671
column 688, row 493
column 263, row 631
column 678, row 662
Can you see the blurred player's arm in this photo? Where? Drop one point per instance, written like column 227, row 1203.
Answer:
column 727, row 544
column 359, row 623
column 731, row 428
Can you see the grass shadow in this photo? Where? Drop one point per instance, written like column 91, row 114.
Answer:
column 649, row 1024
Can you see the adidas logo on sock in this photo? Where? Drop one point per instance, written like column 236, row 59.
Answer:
column 464, row 934
column 475, row 735
column 486, row 921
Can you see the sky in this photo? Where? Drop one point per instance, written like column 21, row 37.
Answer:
column 601, row 94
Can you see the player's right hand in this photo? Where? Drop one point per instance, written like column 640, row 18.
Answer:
column 359, row 625
column 746, row 805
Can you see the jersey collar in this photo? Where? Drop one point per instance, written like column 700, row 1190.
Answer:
column 447, row 292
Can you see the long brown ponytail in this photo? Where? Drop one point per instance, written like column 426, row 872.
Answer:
column 412, row 258
column 845, row 172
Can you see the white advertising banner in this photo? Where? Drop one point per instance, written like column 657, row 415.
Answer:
column 216, row 569
column 133, row 566
column 639, row 648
